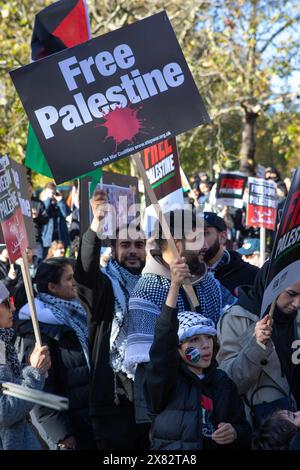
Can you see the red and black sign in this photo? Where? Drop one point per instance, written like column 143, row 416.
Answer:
column 262, row 203
column 285, row 261
column 230, row 189
column 11, row 217
column 162, row 167
column 110, row 97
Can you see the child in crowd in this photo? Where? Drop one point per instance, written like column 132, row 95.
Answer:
column 193, row 405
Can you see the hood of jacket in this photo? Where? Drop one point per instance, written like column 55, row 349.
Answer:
column 208, row 372
column 250, row 297
column 235, row 263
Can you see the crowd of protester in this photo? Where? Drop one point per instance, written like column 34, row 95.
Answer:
column 143, row 364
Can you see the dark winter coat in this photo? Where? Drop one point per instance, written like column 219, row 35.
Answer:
column 57, row 213
column 236, row 273
column 68, row 377
column 96, row 292
column 173, row 394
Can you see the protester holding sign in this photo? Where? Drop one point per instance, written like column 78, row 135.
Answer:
column 257, row 353
column 63, row 326
column 194, row 405
column 106, row 292
column 151, row 292
column 15, row 430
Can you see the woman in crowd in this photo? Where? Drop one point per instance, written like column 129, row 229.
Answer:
column 63, row 326
column 257, row 352
column 15, row 430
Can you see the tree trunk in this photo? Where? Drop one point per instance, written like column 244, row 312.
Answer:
column 247, row 152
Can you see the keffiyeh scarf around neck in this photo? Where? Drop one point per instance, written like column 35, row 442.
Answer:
column 6, row 335
column 72, row 314
column 123, row 283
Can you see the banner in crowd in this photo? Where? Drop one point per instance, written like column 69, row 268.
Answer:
column 230, row 189
column 262, row 203
column 285, row 261
column 122, row 207
column 161, row 163
column 110, row 97
column 11, row 218
column 123, row 195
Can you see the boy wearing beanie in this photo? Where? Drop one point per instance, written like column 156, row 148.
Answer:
column 193, row 405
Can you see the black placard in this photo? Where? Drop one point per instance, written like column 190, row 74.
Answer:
column 110, row 97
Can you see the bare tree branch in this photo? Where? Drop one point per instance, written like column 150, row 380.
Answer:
column 280, row 30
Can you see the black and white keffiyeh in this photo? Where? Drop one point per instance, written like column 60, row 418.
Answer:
column 72, row 314
column 193, row 323
column 145, row 305
column 123, row 283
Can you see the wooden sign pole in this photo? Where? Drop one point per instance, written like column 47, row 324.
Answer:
column 262, row 245
column 30, row 298
column 270, row 320
column 164, row 225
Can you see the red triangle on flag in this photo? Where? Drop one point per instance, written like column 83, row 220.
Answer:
column 74, row 27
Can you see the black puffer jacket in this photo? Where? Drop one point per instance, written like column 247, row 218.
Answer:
column 68, row 377
column 173, row 394
column 236, row 273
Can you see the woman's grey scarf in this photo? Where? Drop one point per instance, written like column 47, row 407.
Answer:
column 72, row 314
column 6, row 335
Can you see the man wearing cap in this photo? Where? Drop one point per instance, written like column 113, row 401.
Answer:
column 227, row 265
column 250, row 251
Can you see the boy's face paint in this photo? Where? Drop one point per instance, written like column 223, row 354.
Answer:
column 197, row 351
column 192, row 354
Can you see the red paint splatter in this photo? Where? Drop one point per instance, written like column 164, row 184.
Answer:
column 122, row 124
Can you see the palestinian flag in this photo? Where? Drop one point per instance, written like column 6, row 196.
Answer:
column 61, row 25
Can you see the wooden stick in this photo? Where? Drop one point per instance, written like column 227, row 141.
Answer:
column 164, row 225
column 30, row 298
column 271, row 312
column 262, row 245
column 270, row 320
